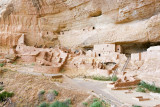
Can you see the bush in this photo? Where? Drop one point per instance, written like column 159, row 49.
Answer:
column 33, row 64
column 85, row 104
column 150, row 87
column 101, row 78
column 5, row 70
column 62, row 70
column 140, row 89
column 14, row 63
column 1, row 88
column 96, row 104
column 41, row 92
column 114, row 78
column 59, row 104
column 1, row 64
column 44, row 105
column 68, row 102
column 4, row 95
column 99, row 103
column 55, row 93
column 95, row 99
column 136, row 106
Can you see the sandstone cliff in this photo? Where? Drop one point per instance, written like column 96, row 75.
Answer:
column 79, row 23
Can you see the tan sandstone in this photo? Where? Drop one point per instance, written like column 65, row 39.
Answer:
column 79, row 23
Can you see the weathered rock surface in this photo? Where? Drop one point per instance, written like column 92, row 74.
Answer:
column 79, row 23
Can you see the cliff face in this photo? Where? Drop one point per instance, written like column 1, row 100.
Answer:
column 79, row 23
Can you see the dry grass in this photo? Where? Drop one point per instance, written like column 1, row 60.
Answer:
column 26, row 88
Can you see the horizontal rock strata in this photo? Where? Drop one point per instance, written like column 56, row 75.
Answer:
column 79, row 23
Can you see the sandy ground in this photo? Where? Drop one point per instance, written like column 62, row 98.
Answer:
column 119, row 96
column 26, row 88
column 78, row 89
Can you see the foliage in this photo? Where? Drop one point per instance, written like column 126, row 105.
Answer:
column 14, row 63
column 33, row 64
column 4, row 95
column 101, row 78
column 150, row 87
column 1, row 88
column 140, row 89
column 114, row 78
column 136, row 106
column 85, row 104
column 99, row 103
column 61, row 104
column 68, row 102
column 41, row 92
column 55, row 93
column 1, row 64
column 96, row 104
column 62, row 70
column 57, row 104
column 5, row 70
column 44, row 105
column 95, row 99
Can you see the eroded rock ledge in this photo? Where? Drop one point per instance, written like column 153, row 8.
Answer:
column 79, row 23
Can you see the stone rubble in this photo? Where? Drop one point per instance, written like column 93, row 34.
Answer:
column 147, row 62
column 48, row 60
column 141, row 98
column 125, row 82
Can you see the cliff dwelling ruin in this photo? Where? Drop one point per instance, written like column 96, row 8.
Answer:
column 79, row 53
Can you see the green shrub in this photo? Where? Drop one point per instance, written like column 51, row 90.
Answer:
column 62, row 70
column 44, row 105
column 99, row 103
column 68, row 102
column 136, row 106
column 55, row 93
column 14, row 63
column 96, row 104
column 103, row 102
column 1, row 64
column 85, row 104
column 33, row 64
column 5, row 70
column 95, row 99
column 140, row 89
column 41, row 92
column 5, row 95
column 59, row 104
column 101, row 78
column 1, row 88
column 114, row 78
column 150, row 87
